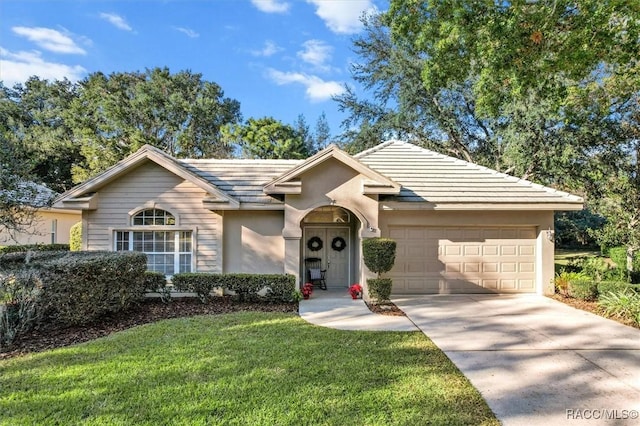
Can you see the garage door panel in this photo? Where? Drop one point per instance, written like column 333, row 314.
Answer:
column 464, row 260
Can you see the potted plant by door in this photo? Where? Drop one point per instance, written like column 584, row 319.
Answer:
column 356, row 291
column 307, row 289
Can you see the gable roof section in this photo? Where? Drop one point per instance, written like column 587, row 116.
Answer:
column 289, row 182
column 434, row 181
column 242, row 179
column 84, row 195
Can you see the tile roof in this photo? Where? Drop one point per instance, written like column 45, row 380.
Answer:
column 427, row 176
column 244, row 180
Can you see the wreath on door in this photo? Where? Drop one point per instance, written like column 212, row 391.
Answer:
column 338, row 244
column 314, row 244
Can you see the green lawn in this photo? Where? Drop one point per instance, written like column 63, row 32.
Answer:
column 240, row 369
column 564, row 256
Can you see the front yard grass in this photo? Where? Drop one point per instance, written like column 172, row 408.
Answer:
column 242, row 368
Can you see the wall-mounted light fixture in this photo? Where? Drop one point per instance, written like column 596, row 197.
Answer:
column 551, row 235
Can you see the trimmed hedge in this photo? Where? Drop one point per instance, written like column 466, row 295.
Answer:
column 380, row 289
column 28, row 259
column 82, row 286
column 156, row 282
column 379, row 254
column 34, row 247
column 246, row 286
column 583, row 289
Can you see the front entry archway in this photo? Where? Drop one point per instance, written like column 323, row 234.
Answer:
column 329, row 234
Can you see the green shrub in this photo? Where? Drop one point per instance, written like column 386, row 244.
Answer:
column 19, row 310
column 605, row 287
column 193, row 282
column 28, row 259
column 379, row 254
column 34, row 247
column 246, row 286
column 618, row 256
column 75, row 237
column 624, row 304
column 379, row 289
column 583, row 289
column 156, row 282
column 595, row 267
column 562, row 280
column 82, row 286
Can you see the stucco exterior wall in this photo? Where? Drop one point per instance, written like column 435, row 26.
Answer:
column 329, row 183
column 145, row 187
column 51, row 226
column 253, row 242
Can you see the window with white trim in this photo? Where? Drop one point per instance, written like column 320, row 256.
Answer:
column 168, row 251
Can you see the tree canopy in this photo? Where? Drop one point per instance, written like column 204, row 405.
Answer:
column 267, row 138
column 544, row 90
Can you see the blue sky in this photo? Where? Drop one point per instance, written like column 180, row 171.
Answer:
column 278, row 58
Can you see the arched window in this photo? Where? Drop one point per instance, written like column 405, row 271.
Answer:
column 153, row 217
column 168, row 250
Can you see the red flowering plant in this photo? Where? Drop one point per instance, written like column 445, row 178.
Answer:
column 355, row 290
column 307, row 289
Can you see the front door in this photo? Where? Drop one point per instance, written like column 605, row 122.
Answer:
column 334, row 252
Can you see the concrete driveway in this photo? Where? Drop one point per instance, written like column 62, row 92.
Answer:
column 536, row 361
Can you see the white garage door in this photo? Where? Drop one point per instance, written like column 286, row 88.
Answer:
column 463, row 260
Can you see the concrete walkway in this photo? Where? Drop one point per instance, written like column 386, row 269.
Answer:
column 536, row 361
column 336, row 309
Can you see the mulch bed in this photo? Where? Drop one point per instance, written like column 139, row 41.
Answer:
column 386, row 309
column 49, row 336
column 589, row 306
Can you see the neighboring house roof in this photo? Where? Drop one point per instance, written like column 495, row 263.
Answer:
column 427, row 176
column 30, row 194
column 404, row 176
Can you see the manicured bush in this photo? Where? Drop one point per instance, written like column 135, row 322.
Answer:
column 193, row 282
column 380, row 289
column 19, row 296
column 28, row 259
column 379, row 254
column 245, row 286
column 34, row 247
column 583, row 289
column 75, row 237
column 82, row 286
column 156, row 282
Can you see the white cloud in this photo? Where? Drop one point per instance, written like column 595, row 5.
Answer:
column 269, row 49
column 317, row 90
column 316, row 52
column 116, row 20
column 271, row 6
column 49, row 39
column 342, row 16
column 188, row 31
column 18, row 67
